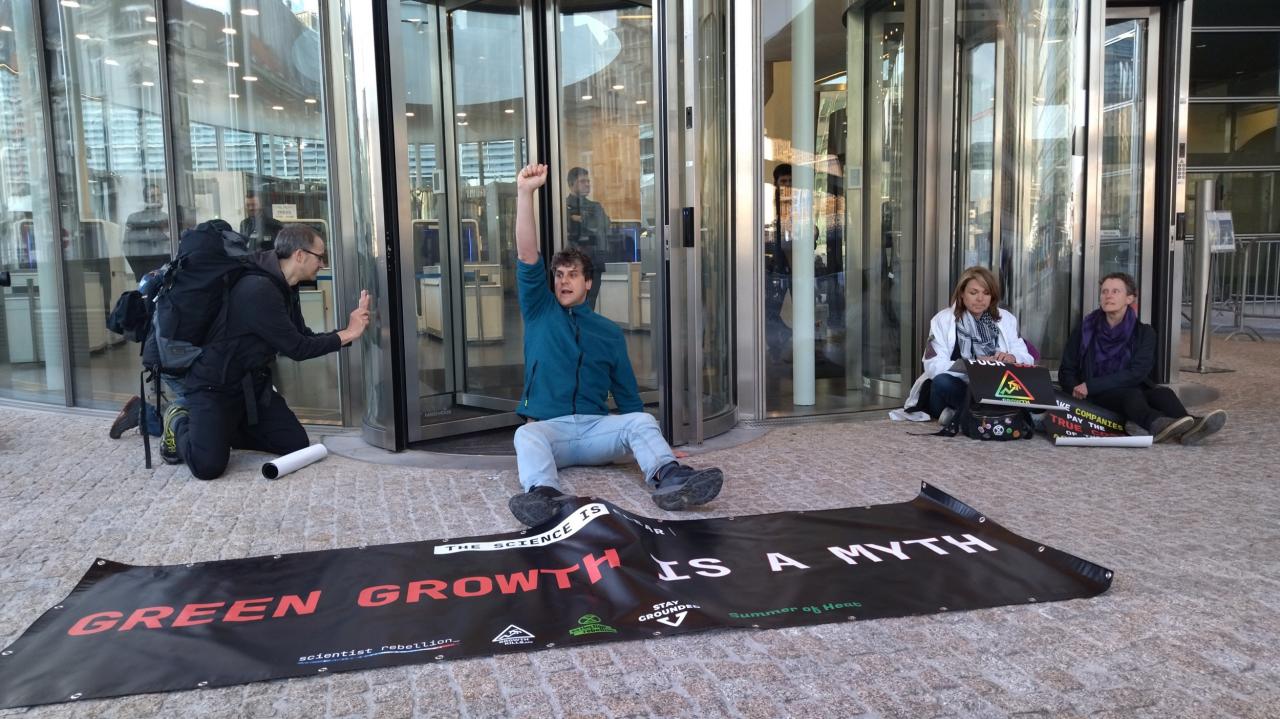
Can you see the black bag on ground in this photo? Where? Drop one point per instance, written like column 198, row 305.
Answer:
column 192, row 294
column 131, row 316
column 994, row 422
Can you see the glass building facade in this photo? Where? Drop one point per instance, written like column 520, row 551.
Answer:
column 777, row 195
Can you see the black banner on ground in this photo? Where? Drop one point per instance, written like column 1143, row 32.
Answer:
column 597, row 573
column 1080, row 418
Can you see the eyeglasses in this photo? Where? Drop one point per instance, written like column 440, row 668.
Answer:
column 324, row 256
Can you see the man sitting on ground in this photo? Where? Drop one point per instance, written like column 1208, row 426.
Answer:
column 574, row 359
column 228, row 399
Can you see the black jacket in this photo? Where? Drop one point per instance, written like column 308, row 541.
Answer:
column 263, row 319
column 1137, row 373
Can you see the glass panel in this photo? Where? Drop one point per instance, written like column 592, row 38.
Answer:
column 105, row 93
column 717, row 288
column 606, row 131
column 1226, row 134
column 840, row 91
column 1033, row 175
column 419, row 39
column 975, row 146
column 1235, row 64
column 1250, row 196
column 1237, row 13
column 31, row 311
column 246, row 91
column 488, row 92
column 1123, row 146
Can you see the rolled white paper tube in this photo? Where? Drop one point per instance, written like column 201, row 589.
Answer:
column 1102, row 441
column 280, row 466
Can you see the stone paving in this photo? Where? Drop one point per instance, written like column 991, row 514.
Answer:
column 1189, row 628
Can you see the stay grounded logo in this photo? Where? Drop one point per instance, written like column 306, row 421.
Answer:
column 590, row 624
column 1012, row 388
column 671, row 614
column 513, row 636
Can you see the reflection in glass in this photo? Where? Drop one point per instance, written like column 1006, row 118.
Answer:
column 488, row 91
column 31, row 307
column 1235, row 64
column 606, row 155
column 838, row 240
column 249, row 138
column 109, row 155
column 1123, row 147
column 1233, row 134
column 1032, row 175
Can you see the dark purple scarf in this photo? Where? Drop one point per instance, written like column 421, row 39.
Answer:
column 1109, row 345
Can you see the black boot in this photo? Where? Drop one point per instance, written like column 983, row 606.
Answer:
column 677, row 487
column 536, row 506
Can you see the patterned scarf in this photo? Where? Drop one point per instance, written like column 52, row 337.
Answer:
column 978, row 338
column 1109, row 345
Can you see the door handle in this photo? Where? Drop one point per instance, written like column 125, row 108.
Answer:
column 686, row 221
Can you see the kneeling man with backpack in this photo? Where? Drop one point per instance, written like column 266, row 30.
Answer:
column 228, row 399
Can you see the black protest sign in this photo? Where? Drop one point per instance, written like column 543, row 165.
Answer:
column 1079, row 418
column 596, row 573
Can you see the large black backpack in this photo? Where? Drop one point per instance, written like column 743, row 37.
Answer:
column 192, row 295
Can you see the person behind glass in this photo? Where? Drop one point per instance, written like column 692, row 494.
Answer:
column 258, row 225
column 973, row 327
column 228, row 399
column 777, row 266
column 587, row 226
column 1108, row 361
column 574, row 360
column 146, row 233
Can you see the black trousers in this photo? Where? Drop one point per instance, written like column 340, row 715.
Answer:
column 217, row 422
column 1141, row 404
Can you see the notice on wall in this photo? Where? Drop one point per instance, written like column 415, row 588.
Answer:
column 284, row 212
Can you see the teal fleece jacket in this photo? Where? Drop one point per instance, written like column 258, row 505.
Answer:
column 573, row 358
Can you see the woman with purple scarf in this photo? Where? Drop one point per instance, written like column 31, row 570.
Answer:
column 1108, row 361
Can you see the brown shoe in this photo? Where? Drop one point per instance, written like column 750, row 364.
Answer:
column 127, row 419
column 1204, row 426
column 1164, row 429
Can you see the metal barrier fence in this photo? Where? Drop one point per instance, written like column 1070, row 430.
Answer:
column 1243, row 285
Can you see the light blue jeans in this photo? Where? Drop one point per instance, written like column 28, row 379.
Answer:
column 588, row 439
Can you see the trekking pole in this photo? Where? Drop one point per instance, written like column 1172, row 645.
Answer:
column 142, row 416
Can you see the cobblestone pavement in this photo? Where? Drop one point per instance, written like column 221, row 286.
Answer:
column 1189, row 628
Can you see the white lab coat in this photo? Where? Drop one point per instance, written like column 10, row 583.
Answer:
column 942, row 339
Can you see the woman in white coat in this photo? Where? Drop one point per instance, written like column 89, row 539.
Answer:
column 973, row 327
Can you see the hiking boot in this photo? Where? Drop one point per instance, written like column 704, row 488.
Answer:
column 679, row 487
column 1133, row 429
column 1204, row 426
column 127, row 419
column 1164, row 429
column 173, row 414
column 537, row 505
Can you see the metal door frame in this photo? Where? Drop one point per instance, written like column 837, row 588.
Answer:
column 1093, row 193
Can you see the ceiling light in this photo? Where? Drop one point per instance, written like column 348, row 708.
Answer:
column 148, row 83
column 642, row 102
column 462, row 114
column 250, row 78
column 463, row 123
column 248, row 11
column 509, row 111
column 70, row 3
column 234, row 96
column 197, row 81
column 83, row 36
column 110, row 62
column 586, row 97
column 232, row 63
column 229, row 30
column 619, row 87
column 5, row 28
column 310, row 101
column 153, row 42
column 150, row 18
column 409, row 114
column 277, row 108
